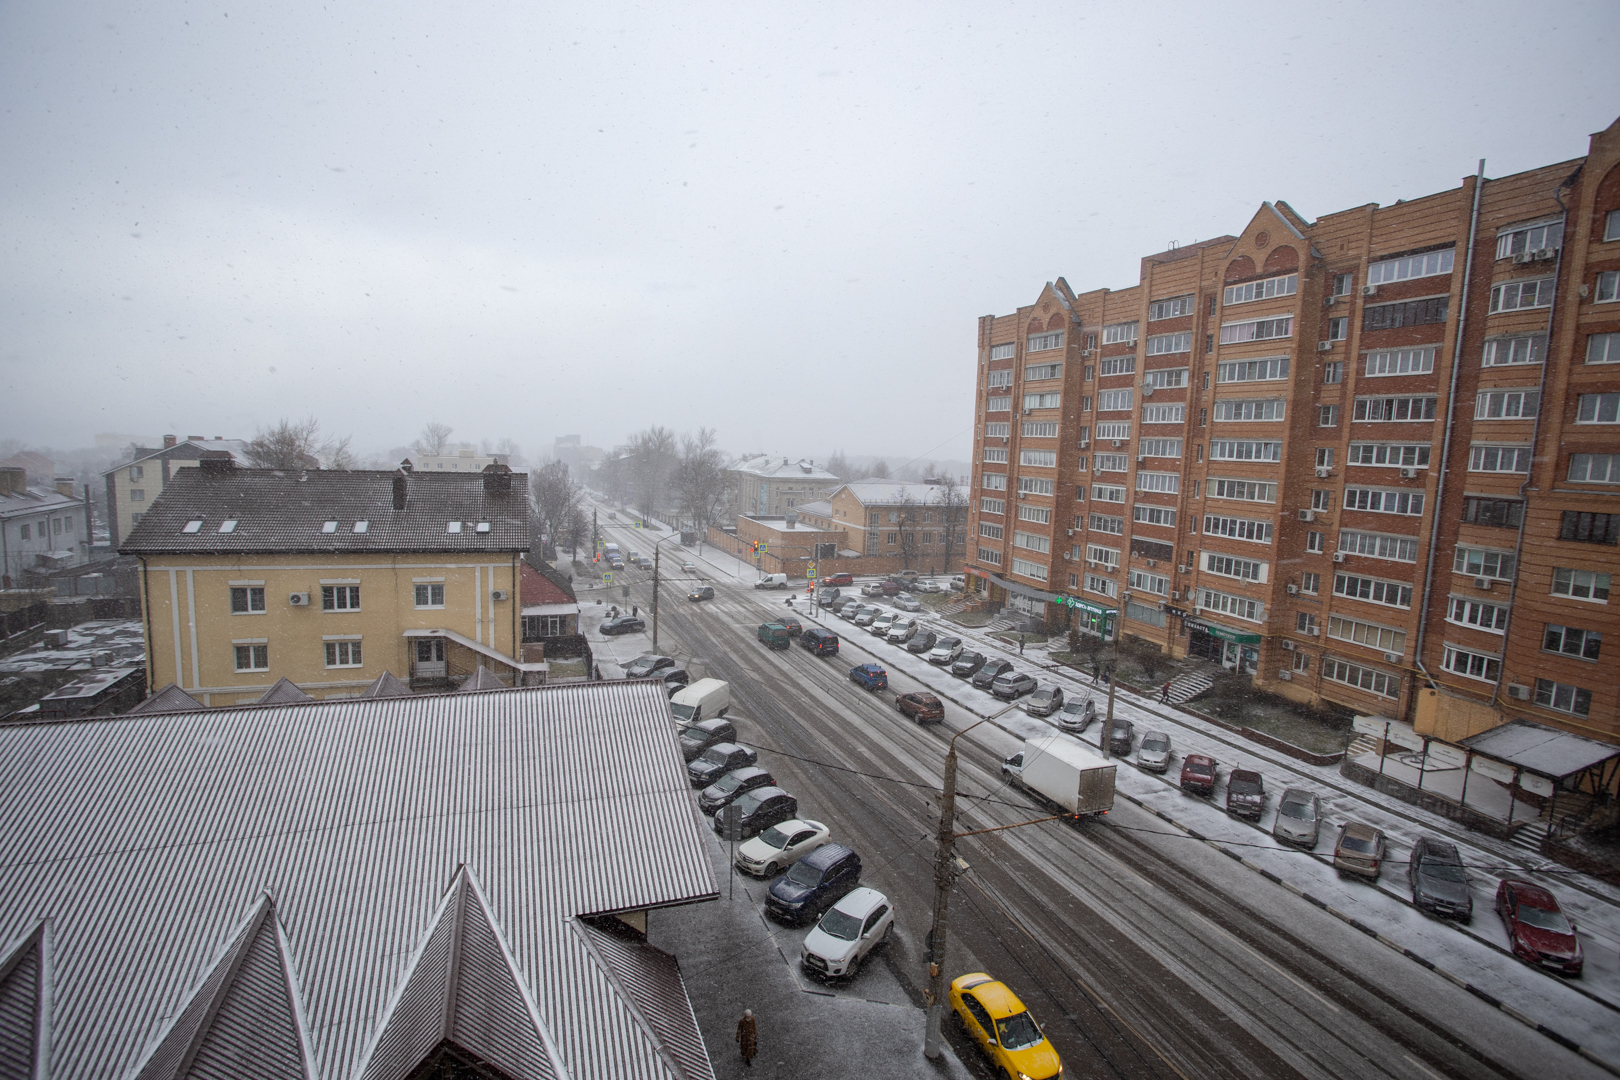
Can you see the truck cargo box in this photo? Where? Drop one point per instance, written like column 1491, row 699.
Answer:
column 1068, row 774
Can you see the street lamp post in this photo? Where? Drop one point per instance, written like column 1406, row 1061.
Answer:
column 657, row 554
column 944, row 875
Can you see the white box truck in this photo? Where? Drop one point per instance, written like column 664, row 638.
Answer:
column 702, row 700
column 1063, row 772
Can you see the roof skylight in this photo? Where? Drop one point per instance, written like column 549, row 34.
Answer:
column 452, row 527
column 228, row 525
column 482, row 526
column 194, row 525
column 329, row 527
column 362, row 526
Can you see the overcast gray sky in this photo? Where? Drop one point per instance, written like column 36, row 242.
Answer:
column 780, row 221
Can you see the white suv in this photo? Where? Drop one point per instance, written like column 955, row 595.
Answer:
column 902, row 630
column 856, row 925
column 880, row 625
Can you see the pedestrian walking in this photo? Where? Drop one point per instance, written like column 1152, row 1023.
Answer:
column 1164, row 695
column 748, row 1037
column 634, row 610
column 1020, row 644
column 1095, row 674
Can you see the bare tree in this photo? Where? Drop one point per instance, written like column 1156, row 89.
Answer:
column 512, row 452
column 700, row 479
column 433, row 439
column 339, row 456
column 556, row 497
column 879, row 470
column 295, row 444
column 577, row 529
column 839, row 466
column 653, row 460
column 952, row 516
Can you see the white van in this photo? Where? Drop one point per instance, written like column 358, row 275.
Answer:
column 702, row 700
column 772, row 581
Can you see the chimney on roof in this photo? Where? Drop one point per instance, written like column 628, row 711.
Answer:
column 497, row 479
column 13, row 480
column 215, row 461
column 792, row 519
column 170, row 440
column 399, row 488
column 64, row 486
column 195, row 438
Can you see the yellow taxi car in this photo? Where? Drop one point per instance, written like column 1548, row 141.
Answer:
column 992, row 1014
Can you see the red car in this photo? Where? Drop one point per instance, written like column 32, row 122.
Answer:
column 921, row 707
column 838, row 579
column 1536, row 927
column 1198, row 774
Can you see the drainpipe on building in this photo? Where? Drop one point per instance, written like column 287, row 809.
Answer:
column 1535, row 431
column 1445, row 445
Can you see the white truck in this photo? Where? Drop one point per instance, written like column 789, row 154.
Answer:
column 772, row 581
column 1062, row 771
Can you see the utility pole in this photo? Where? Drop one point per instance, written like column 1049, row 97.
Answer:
column 658, row 553
column 1113, row 666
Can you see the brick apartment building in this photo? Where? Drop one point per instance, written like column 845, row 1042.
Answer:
column 1372, row 459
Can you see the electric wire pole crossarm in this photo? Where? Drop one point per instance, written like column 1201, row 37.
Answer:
column 944, row 876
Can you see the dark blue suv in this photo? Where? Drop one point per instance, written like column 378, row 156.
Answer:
column 814, row 884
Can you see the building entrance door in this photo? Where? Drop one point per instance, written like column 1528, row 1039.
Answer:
column 430, row 658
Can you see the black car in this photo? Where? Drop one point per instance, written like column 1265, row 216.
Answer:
column 1439, row 883
column 988, row 672
column 624, row 624
column 702, row 592
column 704, row 734
column 1010, row 684
column 760, row 809
column 718, row 760
column 675, row 679
column 968, row 664
column 651, row 664
column 921, row 642
column 1121, row 737
column 820, row 642
column 728, row 788
column 814, row 884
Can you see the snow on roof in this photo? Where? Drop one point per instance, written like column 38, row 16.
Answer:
column 894, row 492
column 337, row 853
column 1543, row 750
column 775, row 467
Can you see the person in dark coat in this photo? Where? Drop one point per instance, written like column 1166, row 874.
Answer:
column 748, row 1037
column 1020, row 644
column 1164, row 695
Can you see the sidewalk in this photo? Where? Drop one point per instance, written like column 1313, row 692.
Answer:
column 733, row 959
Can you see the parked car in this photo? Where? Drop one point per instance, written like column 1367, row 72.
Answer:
column 704, row 734
column 920, row 707
column 846, row 607
column 907, row 603
column 1154, row 753
column 958, row 583
column 851, row 929
column 1077, row 714
column 1359, row 851
column 643, row 666
column 838, row 579
column 1536, row 927
column 794, row 626
column 814, row 884
column 1299, row 817
column 866, row 615
column 1044, row 701
column 871, row 676
column 1245, row 793
column 879, row 627
column 735, row 783
column 989, row 671
column 890, row 587
column 675, row 679
column 945, row 650
column 1121, row 737
column 702, row 700
column 772, row 581
column 1198, row 775
column 968, row 664
column 872, row 589
column 775, row 635
column 905, row 577
column 921, row 642
column 1438, row 881
column 718, row 760
column 1011, row 685
column 780, row 846
column 902, row 630
column 702, row 592
column 827, row 597
column 624, row 624
column 927, row 587
column 759, row 810
column 992, row 1016
column 820, row 642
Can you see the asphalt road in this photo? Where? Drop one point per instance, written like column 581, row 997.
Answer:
column 1142, row 953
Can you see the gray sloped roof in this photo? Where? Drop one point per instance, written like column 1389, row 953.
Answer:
column 284, row 692
column 650, row 979
column 481, row 679
column 386, row 685
column 279, row 511
column 1543, row 750
column 169, row 699
column 158, row 836
column 894, row 492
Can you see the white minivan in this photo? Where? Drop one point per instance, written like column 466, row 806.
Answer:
column 702, row 700
column 772, row 581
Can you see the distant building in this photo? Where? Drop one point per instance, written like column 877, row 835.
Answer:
column 41, row 469
column 41, row 529
column 464, row 458
column 329, row 579
column 772, row 486
column 579, row 458
column 895, row 519
column 131, row 487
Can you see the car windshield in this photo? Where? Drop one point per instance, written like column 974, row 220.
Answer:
column 695, row 737
column 748, row 803
column 1017, row 1032
column 1443, row 871
column 1356, row 844
column 683, row 712
column 1542, row 919
column 1301, row 809
column 1198, row 768
column 775, row 837
column 1153, row 745
column 804, row 874
column 1241, row 786
column 728, row 783
column 839, row 925
column 715, row 756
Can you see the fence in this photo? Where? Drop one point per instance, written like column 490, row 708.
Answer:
column 22, row 620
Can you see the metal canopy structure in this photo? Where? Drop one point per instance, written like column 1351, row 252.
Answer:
column 1544, row 751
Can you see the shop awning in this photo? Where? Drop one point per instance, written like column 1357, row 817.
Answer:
column 1236, row 637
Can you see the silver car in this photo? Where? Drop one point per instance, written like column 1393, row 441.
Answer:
column 1077, row 714
column 866, row 614
column 1299, row 818
column 902, row 630
column 1154, row 753
column 1045, row 701
column 907, row 603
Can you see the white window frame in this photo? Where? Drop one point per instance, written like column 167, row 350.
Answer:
column 1271, row 329
column 343, row 653
column 1265, row 289
column 1263, row 450
column 1499, row 458
column 1031, row 485
column 1587, row 586
column 1594, row 468
column 1042, row 372
column 1522, row 295
column 1164, row 414
column 1428, row 264
column 1370, row 680
column 1166, row 344
column 1390, row 547
column 1004, row 351
column 1603, row 348
column 995, row 455
column 1043, row 401
column 1507, row 403
column 1030, row 569
column 256, row 652
column 1373, row 500
column 1477, row 614
column 1116, row 400
column 994, row 481
column 1392, row 363
column 1038, row 459
column 1515, row 350
column 1372, row 590
column 1115, row 333
column 1264, row 369
column 1600, row 408
column 999, row 403
column 1167, row 482
column 1043, row 342
column 1149, row 514
column 1368, row 635
column 1513, row 240
column 1471, row 663
column 434, row 592
column 1249, row 410
column 1238, row 528
column 1173, row 307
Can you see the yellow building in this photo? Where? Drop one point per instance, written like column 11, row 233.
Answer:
column 330, row 579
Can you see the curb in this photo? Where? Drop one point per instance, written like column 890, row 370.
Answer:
column 1541, row 1029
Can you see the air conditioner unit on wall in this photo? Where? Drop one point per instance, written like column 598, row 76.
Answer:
column 1183, row 569
column 1515, row 690
column 1084, row 443
column 1483, row 584
column 1546, row 254
column 1117, row 444
column 499, row 594
column 1314, row 631
column 1285, row 675
column 1289, row 645
column 1069, row 531
column 1147, row 390
column 1323, row 346
column 1338, row 556
column 1323, row 472
column 1408, row 474
column 1369, row 290
column 1392, row 658
column 1293, row 590
column 298, row 599
column 1523, row 257
column 1307, row 515
column 1330, row 301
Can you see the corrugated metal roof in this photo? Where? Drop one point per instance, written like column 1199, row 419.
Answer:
column 1540, row 749
column 149, row 840
column 280, row 511
column 22, row 979
column 650, row 979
